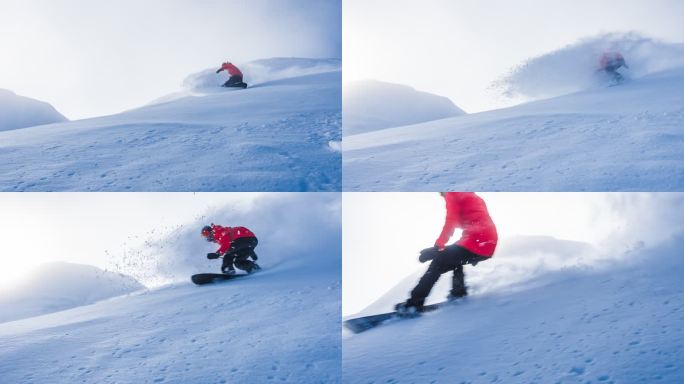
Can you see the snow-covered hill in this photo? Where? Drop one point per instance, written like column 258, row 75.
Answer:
column 371, row 105
column 281, row 325
column 20, row 112
column 617, row 322
column 578, row 134
column 281, row 134
column 628, row 137
column 57, row 286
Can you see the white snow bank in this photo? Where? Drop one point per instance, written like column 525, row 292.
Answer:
column 259, row 72
column 573, row 68
column 576, row 326
column 57, row 286
column 264, row 138
column 371, row 105
column 20, row 112
column 623, row 138
column 297, row 232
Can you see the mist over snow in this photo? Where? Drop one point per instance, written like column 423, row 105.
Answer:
column 105, row 58
column 596, row 308
column 617, row 324
column 570, row 130
column 262, row 71
column 279, row 325
column 371, row 105
column 20, row 112
column 56, row 286
column 282, row 134
column 256, row 73
column 573, row 68
column 539, row 234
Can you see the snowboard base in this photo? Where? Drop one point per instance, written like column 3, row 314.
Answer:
column 208, row 278
column 362, row 324
column 236, row 85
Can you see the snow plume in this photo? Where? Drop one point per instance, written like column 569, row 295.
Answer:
column 629, row 224
column 260, row 72
column 296, row 231
column 573, row 68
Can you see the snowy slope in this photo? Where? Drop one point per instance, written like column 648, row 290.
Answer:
column 628, row 137
column 279, row 135
column 615, row 323
column 57, row 286
column 281, row 325
column 19, row 112
column 371, row 105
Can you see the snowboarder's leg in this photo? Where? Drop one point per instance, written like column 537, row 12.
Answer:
column 234, row 81
column 253, row 242
column 459, row 256
column 439, row 265
column 242, row 262
column 458, row 287
column 227, row 266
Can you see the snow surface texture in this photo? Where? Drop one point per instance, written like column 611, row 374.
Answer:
column 57, row 286
column 282, row 134
column 371, row 105
column 622, row 138
column 604, row 323
column 281, row 325
column 20, row 112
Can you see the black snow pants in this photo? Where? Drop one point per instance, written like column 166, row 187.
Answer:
column 452, row 258
column 234, row 81
column 239, row 253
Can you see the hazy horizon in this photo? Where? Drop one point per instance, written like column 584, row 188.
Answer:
column 94, row 58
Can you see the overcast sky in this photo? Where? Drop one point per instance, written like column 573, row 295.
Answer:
column 384, row 232
column 457, row 48
column 94, row 57
column 80, row 227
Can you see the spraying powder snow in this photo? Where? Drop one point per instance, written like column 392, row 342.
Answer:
column 574, row 67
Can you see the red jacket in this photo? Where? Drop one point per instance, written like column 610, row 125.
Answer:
column 612, row 59
column 468, row 211
column 225, row 235
column 232, row 70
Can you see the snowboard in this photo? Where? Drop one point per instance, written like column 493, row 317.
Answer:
column 362, row 324
column 242, row 85
column 208, row 278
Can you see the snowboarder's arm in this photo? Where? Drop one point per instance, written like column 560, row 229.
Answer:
column 220, row 69
column 427, row 254
column 450, row 224
column 225, row 246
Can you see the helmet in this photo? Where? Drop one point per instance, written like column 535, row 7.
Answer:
column 208, row 233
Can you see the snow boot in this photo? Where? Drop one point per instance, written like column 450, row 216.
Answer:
column 457, row 294
column 408, row 309
column 255, row 268
column 228, row 270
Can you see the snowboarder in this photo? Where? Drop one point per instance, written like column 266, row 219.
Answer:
column 236, row 246
column 235, row 80
column 610, row 62
column 467, row 211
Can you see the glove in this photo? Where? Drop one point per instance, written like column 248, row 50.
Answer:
column 218, row 70
column 212, row 256
column 427, row 254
